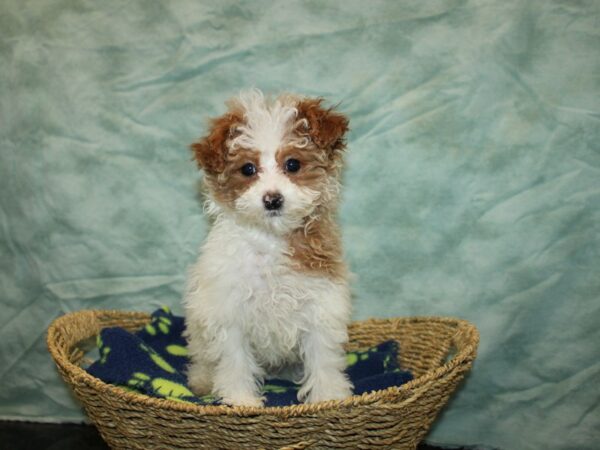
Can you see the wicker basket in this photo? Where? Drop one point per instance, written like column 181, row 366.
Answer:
column 438, row 351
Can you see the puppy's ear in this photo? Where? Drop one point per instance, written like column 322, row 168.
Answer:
column 325, row 127
column 211, row 151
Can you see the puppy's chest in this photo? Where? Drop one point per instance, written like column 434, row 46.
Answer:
column 266, row 272
column 277, row 302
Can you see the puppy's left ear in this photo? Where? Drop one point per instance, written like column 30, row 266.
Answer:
column 325, row 126
column 211, row 151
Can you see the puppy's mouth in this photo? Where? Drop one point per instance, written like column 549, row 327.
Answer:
column 273, row 213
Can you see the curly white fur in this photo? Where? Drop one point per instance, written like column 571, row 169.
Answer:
column 249, row 312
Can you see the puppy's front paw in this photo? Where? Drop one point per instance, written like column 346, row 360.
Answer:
column 200, row 386
column 335, row 387
column 316, row 396
column 243, row 400
column 199, row 378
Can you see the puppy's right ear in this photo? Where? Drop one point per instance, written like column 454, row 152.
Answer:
column 211, row 151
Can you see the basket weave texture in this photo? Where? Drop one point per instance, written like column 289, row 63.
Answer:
column 437, row 350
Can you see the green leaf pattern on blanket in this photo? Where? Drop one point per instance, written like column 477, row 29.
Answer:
column 387, row 362
column 165, row 388
column 274, row 388
column 157, row 359
column 104, row 350
column 138, row 380
column 208, row 398
column 177, row 350
column 162, row 324
column 362, row 355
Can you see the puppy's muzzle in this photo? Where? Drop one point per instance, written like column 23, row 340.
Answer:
column 273, row 201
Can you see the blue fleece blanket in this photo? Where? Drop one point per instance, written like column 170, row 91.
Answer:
column 153, row 361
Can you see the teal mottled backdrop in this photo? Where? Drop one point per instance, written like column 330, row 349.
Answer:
column 472, row 186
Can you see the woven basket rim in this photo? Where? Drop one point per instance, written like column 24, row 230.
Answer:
column 77, row 374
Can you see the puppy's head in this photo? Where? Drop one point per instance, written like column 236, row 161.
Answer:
column 274, row 163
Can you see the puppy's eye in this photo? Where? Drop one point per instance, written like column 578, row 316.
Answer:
column 248, row 169
column 292, row 165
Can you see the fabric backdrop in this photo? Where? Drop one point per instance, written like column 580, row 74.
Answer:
column 472, row 187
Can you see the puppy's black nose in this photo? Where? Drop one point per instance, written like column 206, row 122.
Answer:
column 273, row 201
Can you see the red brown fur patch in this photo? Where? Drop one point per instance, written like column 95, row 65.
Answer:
column 317, row 249
column 326, row 127
column 231, row 183
column 314, row 165
column 211, row 151
column 220, row 164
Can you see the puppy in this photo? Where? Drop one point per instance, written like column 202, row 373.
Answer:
column 269, row 289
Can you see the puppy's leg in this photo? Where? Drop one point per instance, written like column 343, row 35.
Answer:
column 200, row 368
column 221, row 362
column 323, row 353
column 237, row 376
column 324, row 364
column 199, row 371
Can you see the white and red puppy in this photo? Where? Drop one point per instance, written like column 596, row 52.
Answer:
column 270, row 287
